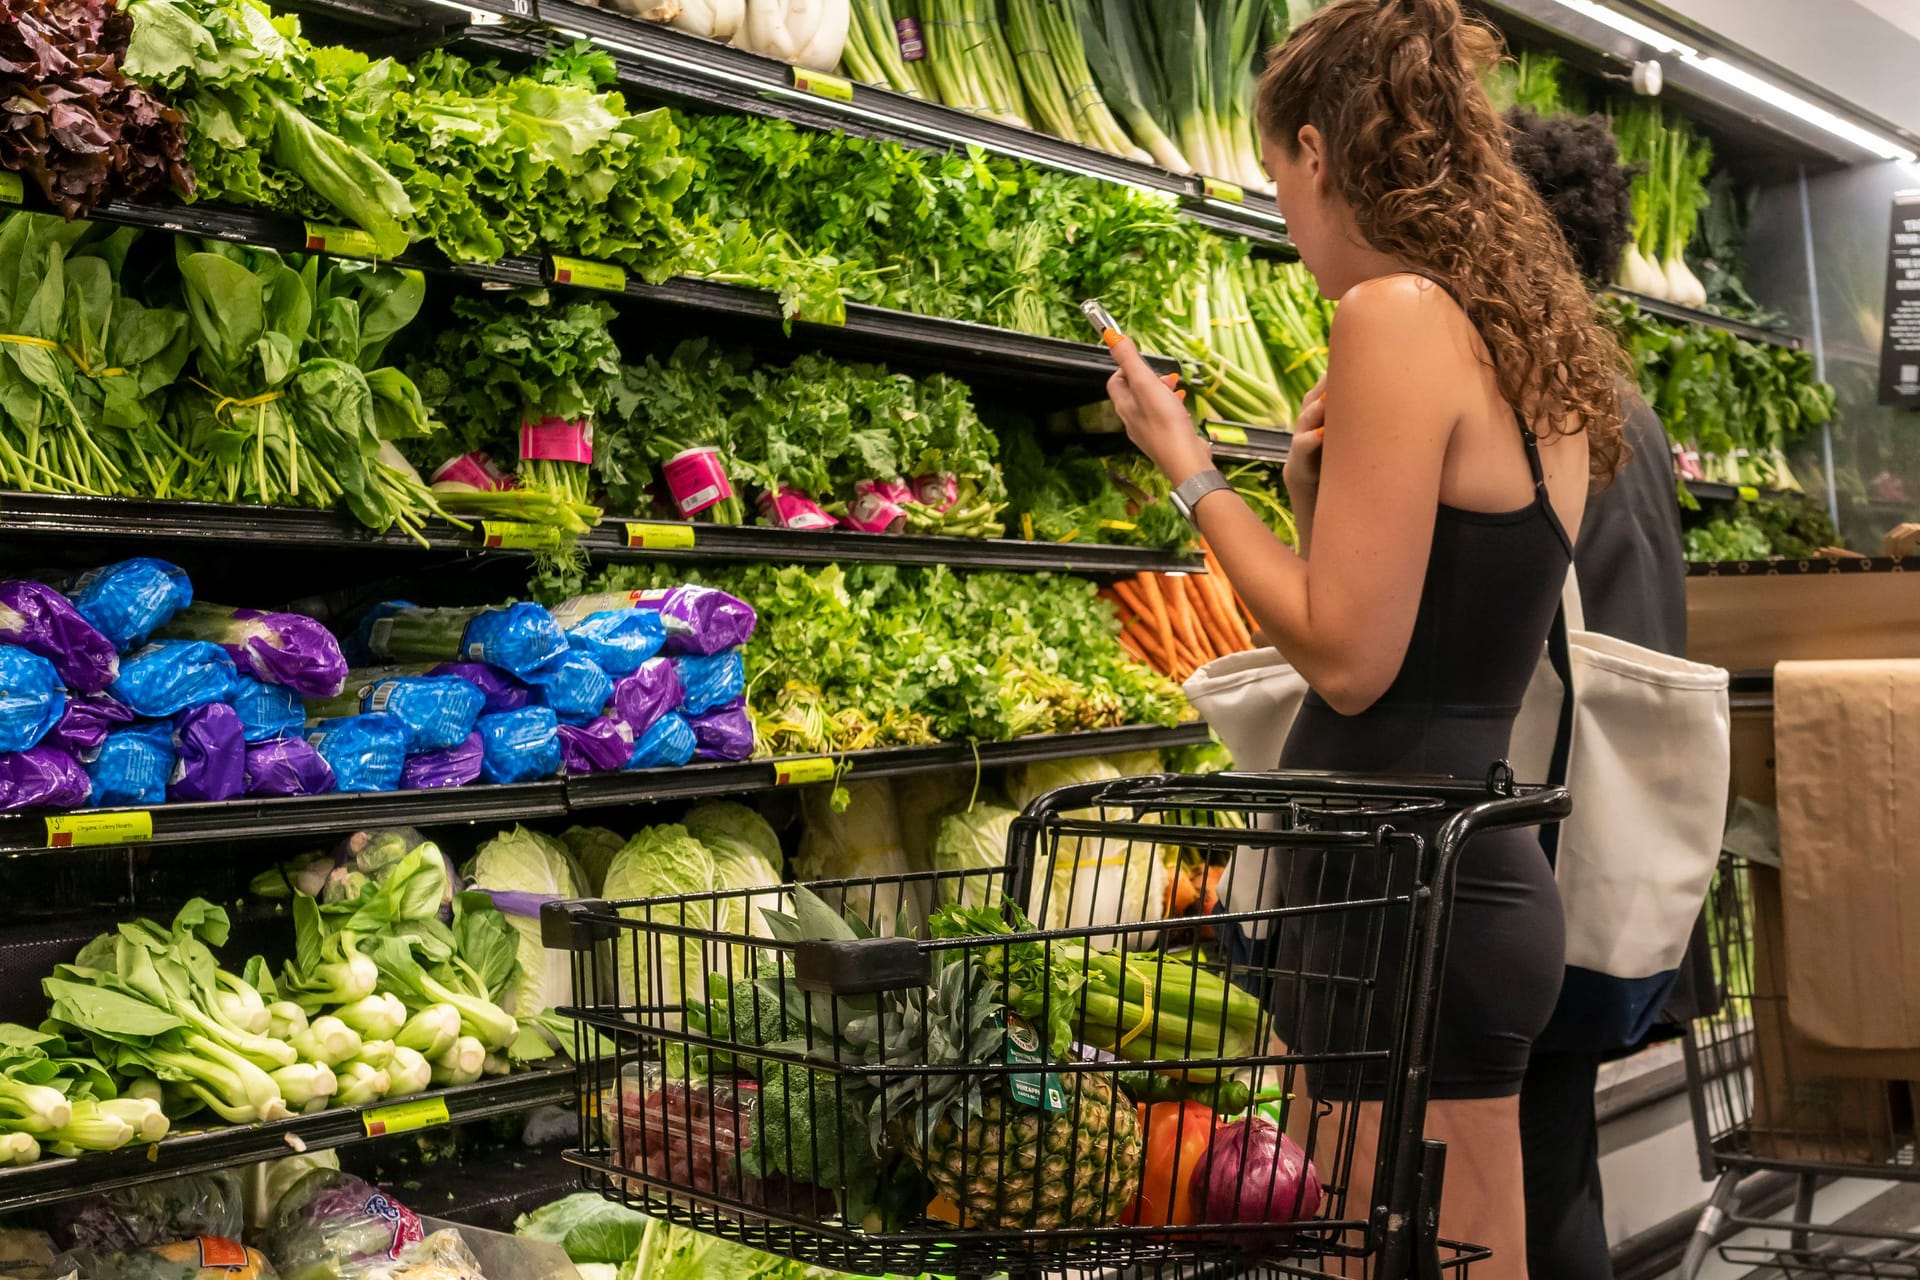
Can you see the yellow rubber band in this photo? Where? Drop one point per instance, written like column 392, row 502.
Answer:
column 23, row 340
column 1146, row 1020
column 80, row 361
column 1313, row 354
column 235, row 402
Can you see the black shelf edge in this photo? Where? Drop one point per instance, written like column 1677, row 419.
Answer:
column 307, row 816
column 701, row 781
column 59, row 515
column 1247, row 443
column 1714, row 491
column 1821, row 567
column 304, row 816
column 1693, row 315
column 71, row 1178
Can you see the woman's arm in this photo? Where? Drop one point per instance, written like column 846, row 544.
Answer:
column 1396, row 372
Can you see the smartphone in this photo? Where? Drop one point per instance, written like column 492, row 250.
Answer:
column 1100, row 318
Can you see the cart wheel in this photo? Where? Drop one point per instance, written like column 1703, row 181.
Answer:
column 1711, row 1219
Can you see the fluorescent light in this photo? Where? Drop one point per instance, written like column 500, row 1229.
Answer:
column 1658, row 40
column 1794, row 105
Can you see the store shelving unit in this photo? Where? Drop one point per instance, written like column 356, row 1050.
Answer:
column 53, row 1180
column 1713, row 320
column 1824, row 566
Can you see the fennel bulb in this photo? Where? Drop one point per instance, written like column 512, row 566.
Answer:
column 822, row 52
column 1642, row 274
column 781, row 28
column 651, row 10
column 714, row 19
column 1683, row 286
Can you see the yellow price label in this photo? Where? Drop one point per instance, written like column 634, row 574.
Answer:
column 1121, row 526
column 345, row 242
column 1222, row 434
column 821, row 85
column 1748, row 493
column 800, row 773
column 508, row 535
column 1221, row 189
column 12, row 190
column 589, row 275
column 74, row 830
column 660, row 537
column 1026, row 525
column 405, row 1117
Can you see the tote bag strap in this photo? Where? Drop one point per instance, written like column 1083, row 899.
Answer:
column 1560, row 655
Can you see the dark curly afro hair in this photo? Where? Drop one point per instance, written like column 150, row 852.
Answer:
column 1574, row 162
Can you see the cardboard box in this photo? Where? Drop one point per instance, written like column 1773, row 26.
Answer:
column 1811, row 1102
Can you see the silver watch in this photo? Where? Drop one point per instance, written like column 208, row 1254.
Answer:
column 1187, row 496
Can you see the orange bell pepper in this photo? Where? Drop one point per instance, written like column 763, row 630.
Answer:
column 1177, row 1134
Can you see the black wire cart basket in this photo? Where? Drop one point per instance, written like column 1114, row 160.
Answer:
column 1766, row 1099
column 1022, row 1069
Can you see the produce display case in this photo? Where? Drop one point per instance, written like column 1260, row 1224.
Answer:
column 744, row 1069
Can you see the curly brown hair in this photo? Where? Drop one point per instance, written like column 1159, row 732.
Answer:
column 1420, row 155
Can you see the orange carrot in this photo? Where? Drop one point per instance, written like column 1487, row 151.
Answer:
column 1132, row 597
column 1157, row 611
column 1186, row 625
column 1133, row 648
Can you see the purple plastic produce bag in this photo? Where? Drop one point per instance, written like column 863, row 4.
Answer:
column 701, row 620
column 504, row 692
column 43, row 778
column 726, row 734
column 287, row 767
column 288, row 649
column 649, row 693
column 41, row 620
column 456, row 766
column 599, row 746
column 84, row 725
column 209, row 755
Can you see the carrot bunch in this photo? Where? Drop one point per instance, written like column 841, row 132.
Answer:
column 1177, row 623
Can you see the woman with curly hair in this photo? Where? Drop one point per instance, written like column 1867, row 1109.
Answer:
column 1439, row 479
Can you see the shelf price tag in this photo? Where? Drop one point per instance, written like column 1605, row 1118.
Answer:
column 1221, row 189
column 75, row 830
column 12, row 190
column 803, row 772
column 589, row 275
column 527, row 10
column 821, row 85
column 1748, row 493
column 405, row 1117
column 343, row 242
column 508, row 535
column 1221, row 433
column 660, row 537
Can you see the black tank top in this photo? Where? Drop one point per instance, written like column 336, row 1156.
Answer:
column 1491, row 592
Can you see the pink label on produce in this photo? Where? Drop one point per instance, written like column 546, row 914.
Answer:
column 873, row 509
column 556, row 440
column 912, row 47
column 937, row 491
column 697, row 480
column 793, row 509
column 475, row 470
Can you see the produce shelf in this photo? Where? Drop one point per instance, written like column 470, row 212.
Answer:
column 1798, row 568
column 660, row 62
column 53, row 1180
column 1238, row 440
column 1693, row 315
column 700, row 781
column 1044, row 371
column 1711, row 491
column 297, row 818
column 615, row 541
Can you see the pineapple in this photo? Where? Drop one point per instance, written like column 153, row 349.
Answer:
column 1005, row 1165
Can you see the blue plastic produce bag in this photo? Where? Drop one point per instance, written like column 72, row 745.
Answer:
column 619, row 639
column 41, row 620
column 520, row 745
column 668, row 744
column 133, row 766
column 520, row 639
column 86, row 722
column 366, row 753
column 287, row 767
column 437, row 711
column 707, row 684
column 503, row 692
column 168, row 676
column 267, row 711
column 455, row 766
column 31, row 699
column 129, row 601
column 209, row 754
column 574, row 687
column 43, row 778
column 726, row 734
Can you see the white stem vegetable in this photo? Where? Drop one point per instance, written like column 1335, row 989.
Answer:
column 305, row 1083
column 327, row 1040
column 360, row 1084
column 376, row 1017
column 432, row 1031
column 375, row 1053
column 714, row 19
column 461, row 1063
column 407, row 1072
column 285, row 1020
column 150, row 1123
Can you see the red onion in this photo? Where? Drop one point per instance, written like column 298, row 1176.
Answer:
column 1252, row 1172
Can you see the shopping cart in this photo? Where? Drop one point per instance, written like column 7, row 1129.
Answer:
column 826, row 1073
column 1764, row 1100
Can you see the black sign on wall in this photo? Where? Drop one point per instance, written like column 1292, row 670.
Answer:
column 1900, row 347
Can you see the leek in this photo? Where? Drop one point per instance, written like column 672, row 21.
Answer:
column 970, row 61
column 1116, row 41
